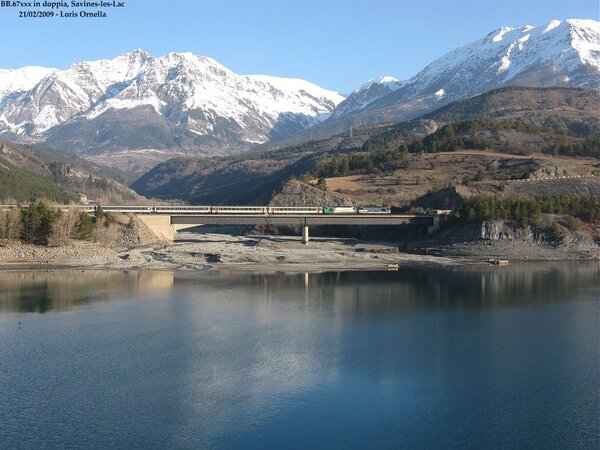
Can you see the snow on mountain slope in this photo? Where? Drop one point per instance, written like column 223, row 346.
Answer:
column 194, row 96
column 555, row 51
column 19, row 80
column 560, row 53
column 368, row 93
column 186, row 101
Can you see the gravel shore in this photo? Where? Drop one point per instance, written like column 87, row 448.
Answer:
column 206, row 251
column 212, row 250
column 76, row 254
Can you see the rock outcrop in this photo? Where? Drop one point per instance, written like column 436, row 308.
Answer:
column 296, row 193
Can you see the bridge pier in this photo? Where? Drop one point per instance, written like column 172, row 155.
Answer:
column 435, row 226
column 161, row 225
column 305, row 234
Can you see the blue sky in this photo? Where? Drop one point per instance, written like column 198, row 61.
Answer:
column 336, row 44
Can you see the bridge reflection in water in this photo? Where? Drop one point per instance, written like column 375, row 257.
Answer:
column 471, row 287
column 253, row 360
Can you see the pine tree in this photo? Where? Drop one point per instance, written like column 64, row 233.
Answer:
column 37, row 222
column 85, row 226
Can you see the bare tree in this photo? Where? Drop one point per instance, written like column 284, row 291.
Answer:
column 10, row 225
column 65, row 227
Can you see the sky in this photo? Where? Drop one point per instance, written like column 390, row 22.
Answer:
column 337, row 44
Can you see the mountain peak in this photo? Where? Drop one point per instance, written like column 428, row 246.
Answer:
column 384, row 80
column 13, row 81
column 552, row 25
column 498, row 35
column 137, row 53
column 366, row 94
column 585, row 23
column 177, row 100
column 558, row 53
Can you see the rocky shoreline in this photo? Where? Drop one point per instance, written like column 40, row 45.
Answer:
column 502, row 240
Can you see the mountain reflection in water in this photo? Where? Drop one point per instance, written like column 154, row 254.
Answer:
column 358, row 292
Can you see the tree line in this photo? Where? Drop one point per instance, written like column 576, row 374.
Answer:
column 42, row 224
column 363, row 163
column 456, row 135
column 590, row 146
column 529, row 211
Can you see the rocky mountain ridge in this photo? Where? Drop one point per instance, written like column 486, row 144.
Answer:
column 184, row 103
column 557, row 54
column 136, row 100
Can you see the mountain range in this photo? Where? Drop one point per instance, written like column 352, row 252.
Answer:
column 138, row 101
column 558, row 54
column 192, row 103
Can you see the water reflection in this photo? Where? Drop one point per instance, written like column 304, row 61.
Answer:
column 477, row 357
column 385, row 293
column 63, row 290
column 376, row 293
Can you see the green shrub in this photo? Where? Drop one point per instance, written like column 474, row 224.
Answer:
column 572, row 223
column 479, row 176
column 109, row 219
column 322, row 184
column 557, row 231
column 103, row 217
column 85, row 226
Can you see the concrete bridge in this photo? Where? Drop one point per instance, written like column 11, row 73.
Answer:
column 165, row 221
column 167, row 225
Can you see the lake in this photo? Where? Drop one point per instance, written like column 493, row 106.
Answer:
column 473, row 357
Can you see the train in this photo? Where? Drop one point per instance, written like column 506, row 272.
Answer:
column 253, row 210
column 265, row 210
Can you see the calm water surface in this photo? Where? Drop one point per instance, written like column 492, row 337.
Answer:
column 498, row 357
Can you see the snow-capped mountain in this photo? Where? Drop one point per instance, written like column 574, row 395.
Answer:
column 184, row 101
column 16, row 81
column 560, row 53
column 140, row 101
column 365, row 95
